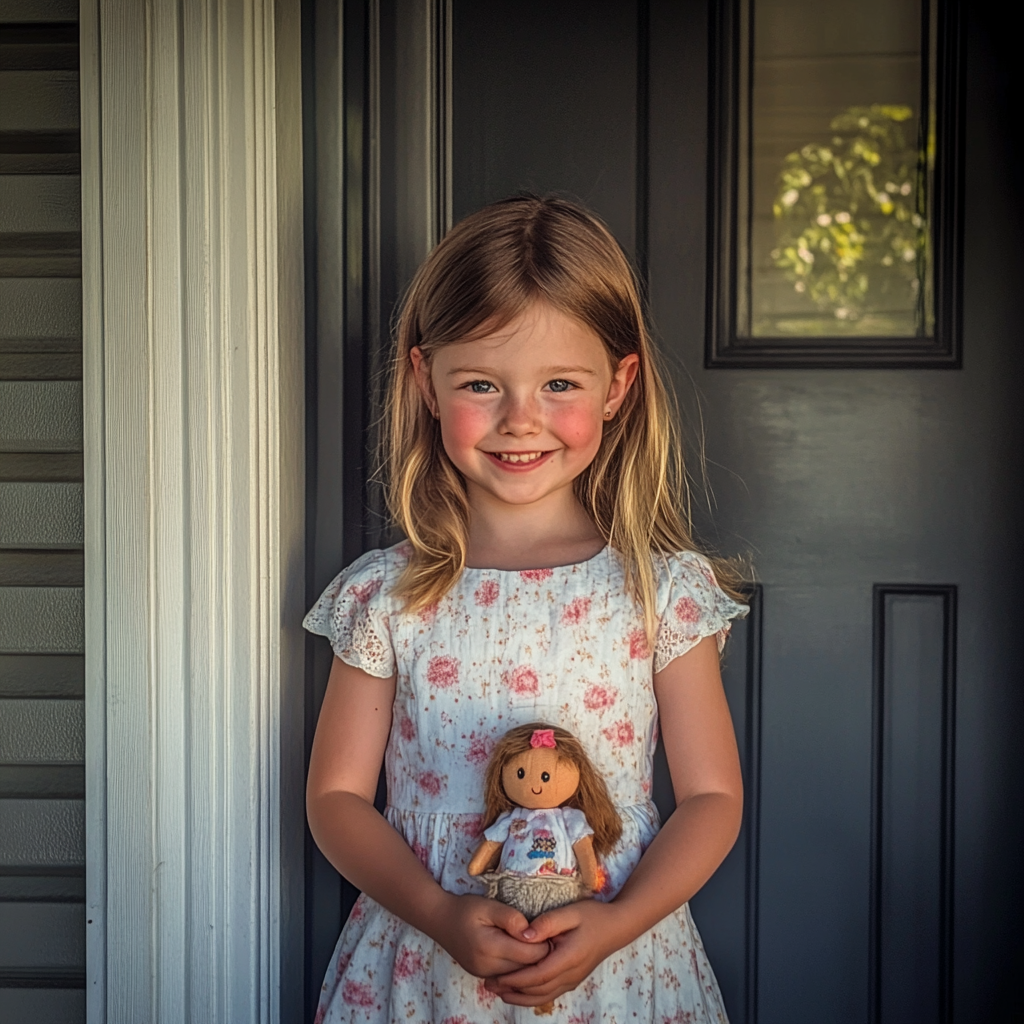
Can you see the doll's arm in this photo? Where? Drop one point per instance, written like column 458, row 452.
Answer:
column 344, row 766
column 486, row 856
column 704, row 764
column 584, row 850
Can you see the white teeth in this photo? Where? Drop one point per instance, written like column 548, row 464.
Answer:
column 514, row 457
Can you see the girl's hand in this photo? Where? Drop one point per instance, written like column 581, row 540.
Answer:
column 484, row 936
column 579, row 937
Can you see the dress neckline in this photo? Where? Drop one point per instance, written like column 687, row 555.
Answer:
column 545, row 568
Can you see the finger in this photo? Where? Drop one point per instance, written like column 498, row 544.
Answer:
column 535, row 976
column 518, row 953
column 554, row 922
column 508, row 919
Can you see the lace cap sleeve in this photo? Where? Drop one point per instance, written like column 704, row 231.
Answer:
column 696, row 607
column 352, row 615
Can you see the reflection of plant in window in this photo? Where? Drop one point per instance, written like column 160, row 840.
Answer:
column 849, row 216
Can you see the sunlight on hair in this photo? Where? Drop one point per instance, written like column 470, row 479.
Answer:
column 487, row 271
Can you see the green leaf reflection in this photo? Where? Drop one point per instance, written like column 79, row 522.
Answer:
column 850, row 216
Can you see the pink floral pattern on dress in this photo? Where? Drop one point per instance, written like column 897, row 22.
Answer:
column 522, row 680
column 639, row 646
column 621, row 733
column 598, row 697
column 443, row 672
column 688, row 611
column 563, row 645
column 537, row 575
column 576, row 611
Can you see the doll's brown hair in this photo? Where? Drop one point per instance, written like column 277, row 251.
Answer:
column 591, row 796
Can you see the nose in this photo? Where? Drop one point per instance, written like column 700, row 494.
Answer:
column 519, row 416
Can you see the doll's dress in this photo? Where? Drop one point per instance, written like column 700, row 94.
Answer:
column 539, row 842
column 566, row 646
column 538, row 870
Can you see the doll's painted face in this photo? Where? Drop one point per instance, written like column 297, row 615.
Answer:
column 538, row 779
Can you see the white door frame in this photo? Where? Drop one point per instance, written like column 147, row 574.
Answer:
column 194, row 485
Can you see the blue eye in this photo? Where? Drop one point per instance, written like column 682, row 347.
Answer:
column 480, row 387
column 559, row 385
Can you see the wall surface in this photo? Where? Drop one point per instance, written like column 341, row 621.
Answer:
column 42, row 670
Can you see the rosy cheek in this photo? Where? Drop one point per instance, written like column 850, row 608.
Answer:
column 577, row 425
column 463, row 425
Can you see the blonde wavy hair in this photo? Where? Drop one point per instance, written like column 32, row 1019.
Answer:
column 486, row 272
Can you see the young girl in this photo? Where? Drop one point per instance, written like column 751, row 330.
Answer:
column 548, row 576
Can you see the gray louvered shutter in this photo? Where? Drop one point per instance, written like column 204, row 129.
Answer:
column 42, row 850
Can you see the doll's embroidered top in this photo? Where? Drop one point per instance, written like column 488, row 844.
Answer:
column 540, row 841
column 565, row 646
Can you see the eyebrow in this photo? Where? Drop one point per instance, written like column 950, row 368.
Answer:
column 548, row 370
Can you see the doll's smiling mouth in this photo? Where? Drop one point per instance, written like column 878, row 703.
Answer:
column 536, row 792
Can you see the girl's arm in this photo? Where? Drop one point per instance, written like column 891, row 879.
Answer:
column 697, row 731
column 348, row 750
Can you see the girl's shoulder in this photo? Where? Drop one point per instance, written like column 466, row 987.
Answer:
column 683, row 567
column 353, row 611
column 691, row 605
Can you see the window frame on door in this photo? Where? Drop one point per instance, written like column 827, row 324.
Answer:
column 730, row 58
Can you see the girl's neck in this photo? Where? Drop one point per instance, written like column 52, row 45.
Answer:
column 539, row 536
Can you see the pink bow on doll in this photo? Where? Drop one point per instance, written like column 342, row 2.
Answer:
column 543, row 738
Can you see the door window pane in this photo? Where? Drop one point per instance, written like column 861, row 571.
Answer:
column 836, row 154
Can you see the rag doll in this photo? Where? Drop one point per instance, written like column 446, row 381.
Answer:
column 548, row 818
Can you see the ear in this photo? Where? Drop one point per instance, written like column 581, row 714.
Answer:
column 622, row 380
column 421, row 374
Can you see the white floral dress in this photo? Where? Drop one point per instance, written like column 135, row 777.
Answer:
column 564, row 646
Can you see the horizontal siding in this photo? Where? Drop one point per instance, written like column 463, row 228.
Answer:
column 43, row 620
column 42, row 675
column 42, row 732
column 38, row 313
column 68, row 887
column 40, row 416
column 40, row 515
column 59, row 945
column 38, row 11
column 42, row 747
column 42, row 781
column 47, row 101
column 42, row 835
column 40, row 203
column 47, row 1006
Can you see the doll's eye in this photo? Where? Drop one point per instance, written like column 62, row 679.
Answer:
column 545, row 777
column 521, row 774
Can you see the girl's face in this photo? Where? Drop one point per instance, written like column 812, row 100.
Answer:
column 537, row 778
column 522, row 409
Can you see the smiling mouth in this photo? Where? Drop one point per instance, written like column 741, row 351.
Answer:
column 536, row 792
column 519, row 457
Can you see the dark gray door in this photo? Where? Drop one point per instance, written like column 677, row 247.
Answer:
column 876, row 686
column 879, row 507
column 42, row 841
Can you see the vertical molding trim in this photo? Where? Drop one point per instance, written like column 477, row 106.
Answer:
column 194, row 398
column 947, row 593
